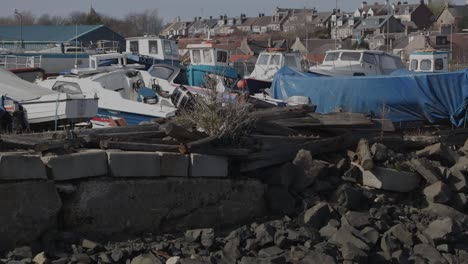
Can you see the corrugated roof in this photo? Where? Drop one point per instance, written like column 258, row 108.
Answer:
column 44, row 33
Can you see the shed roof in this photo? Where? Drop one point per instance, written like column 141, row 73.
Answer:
column 45, row 33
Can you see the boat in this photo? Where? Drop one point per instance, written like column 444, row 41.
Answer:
column 27, row 68
column 149, row 50
column 429, row 60
column 122, row 92
column 357, row 63
column 47, row 108
column 402, row 96
column 268, row 63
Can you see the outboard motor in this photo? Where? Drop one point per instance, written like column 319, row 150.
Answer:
column 182, row 98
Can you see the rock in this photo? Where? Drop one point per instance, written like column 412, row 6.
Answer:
column 88, row 244
column 270, row 252
column 442, row 230
column 390, row 179
column 279, row 200
column 207, row 237
column 425, row 168
column 349, row 197
column 231, row 250
column 80, row 258
column 104, row 258
column 264, row 234
column 462, row 164
column 429, row 253
column 327, row 231
column 280, row 239
column 457, row 180
column 356, row 219
column 379, row 152
column 352, row 253
column 389, row 245
column 40, row 258
column 439, row 152
column 443, row 210
column 438, row 192
column 400, row 256
column 281, row 175
column 272, row 260
column 22, row 253
column 459, row 201
column 146, row 259
column 173, row 260
column 364, row 155
column 371, row 235
column 310, row 170
column 193, row 235
column 318, row 215
column 21, row 166
column 313, row 257
column 348, row 235
column 117, row 254
column 400, row 232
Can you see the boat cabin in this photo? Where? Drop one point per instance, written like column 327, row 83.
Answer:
column 153, row 47
column 357, row 63
column 208, row 54
column 428, row 61
column 270, row 61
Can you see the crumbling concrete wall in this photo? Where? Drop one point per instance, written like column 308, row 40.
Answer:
column 104, row 194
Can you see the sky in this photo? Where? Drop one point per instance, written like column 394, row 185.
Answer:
column 170, row 9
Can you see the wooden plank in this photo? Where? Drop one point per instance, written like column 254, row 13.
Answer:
column 139, row 128
column 132, row 146
column 180, row 133
column 281, row 113
column 269, row 128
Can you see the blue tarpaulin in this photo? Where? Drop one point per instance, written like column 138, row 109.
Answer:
column 402, row 96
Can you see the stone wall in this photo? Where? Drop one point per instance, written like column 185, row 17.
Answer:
column 110, row 194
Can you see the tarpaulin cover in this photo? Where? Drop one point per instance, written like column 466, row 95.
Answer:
column 196, row 73
column 401, row 96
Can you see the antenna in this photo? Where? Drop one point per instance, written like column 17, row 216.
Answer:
column 76, row 45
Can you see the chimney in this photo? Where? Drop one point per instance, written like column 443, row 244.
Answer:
column 195, row 19
column 364, row 4
column 421, row 2
column 399, row 3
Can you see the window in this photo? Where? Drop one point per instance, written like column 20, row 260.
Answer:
column 153, row 47
column 275, row 60
column 425, row 65
column 161, row 72
column 438, row 64
column 369, row 58
column 167, row 48
column 222, row 56
column 332, row 56
column 290, row 60
column 414, row 65
column 196, row 56
column 350, row 56
column 388, row 64
column 181, row 78
column 207, row 56
column 134, row 46
column 263, row 59
column 67, row 87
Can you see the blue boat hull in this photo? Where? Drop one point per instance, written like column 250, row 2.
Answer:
column 106, row 116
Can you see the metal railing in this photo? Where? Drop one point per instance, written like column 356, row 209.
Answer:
column 15, row 62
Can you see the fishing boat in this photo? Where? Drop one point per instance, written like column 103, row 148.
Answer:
column 149, row 50
column 268, row 63
column 357, row 63
column 47, row 108
column 122, row 92
column 429, row 60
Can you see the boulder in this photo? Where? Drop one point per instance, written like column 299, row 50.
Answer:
column 439, row 152
column 309, row 169
column 379, row 152
column 351, row 253
column 347, row 234
column 264, row 234
column 349, row 197
column 318, row 215
column 438, row 192
column 401, row 232
column 146, row 259
column 429, row 254
column 390, row 179
column 270, row 252
column 428, row 171
column 457, row 180
column 442, row 230
column 356, row 219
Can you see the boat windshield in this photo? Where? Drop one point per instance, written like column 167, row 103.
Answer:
column 350, row 56
column 275, row 60
column 263, row 59
column 207, row 58
column 332, row 56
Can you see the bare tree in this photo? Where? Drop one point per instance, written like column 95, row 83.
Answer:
column 148, row 22
column 47, row 19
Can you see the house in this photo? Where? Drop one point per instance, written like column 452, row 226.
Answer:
column 38, row 37
column 246, row 26
column 179, row 28
column 228, row 25
column 261, row 24
column 343, row 24
column 451, row 16
column 367, row 10
column 419, row 14
column 378, row 24
column 420, row 41
column 307, row 18
column 281, row 15
column 201, row 26
column 314, row 49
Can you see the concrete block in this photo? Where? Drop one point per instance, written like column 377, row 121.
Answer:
column 390, row 179
column 21, row 166
column 134, row 164
column 174, row 164
column 88, row 163
column 208, row 166
column 28, row 209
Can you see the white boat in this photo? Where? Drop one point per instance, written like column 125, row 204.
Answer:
column 45, row 106
column 268, row 63
column 429, row 60
column 357, row 63
column 122, row 92
column 149, row 50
